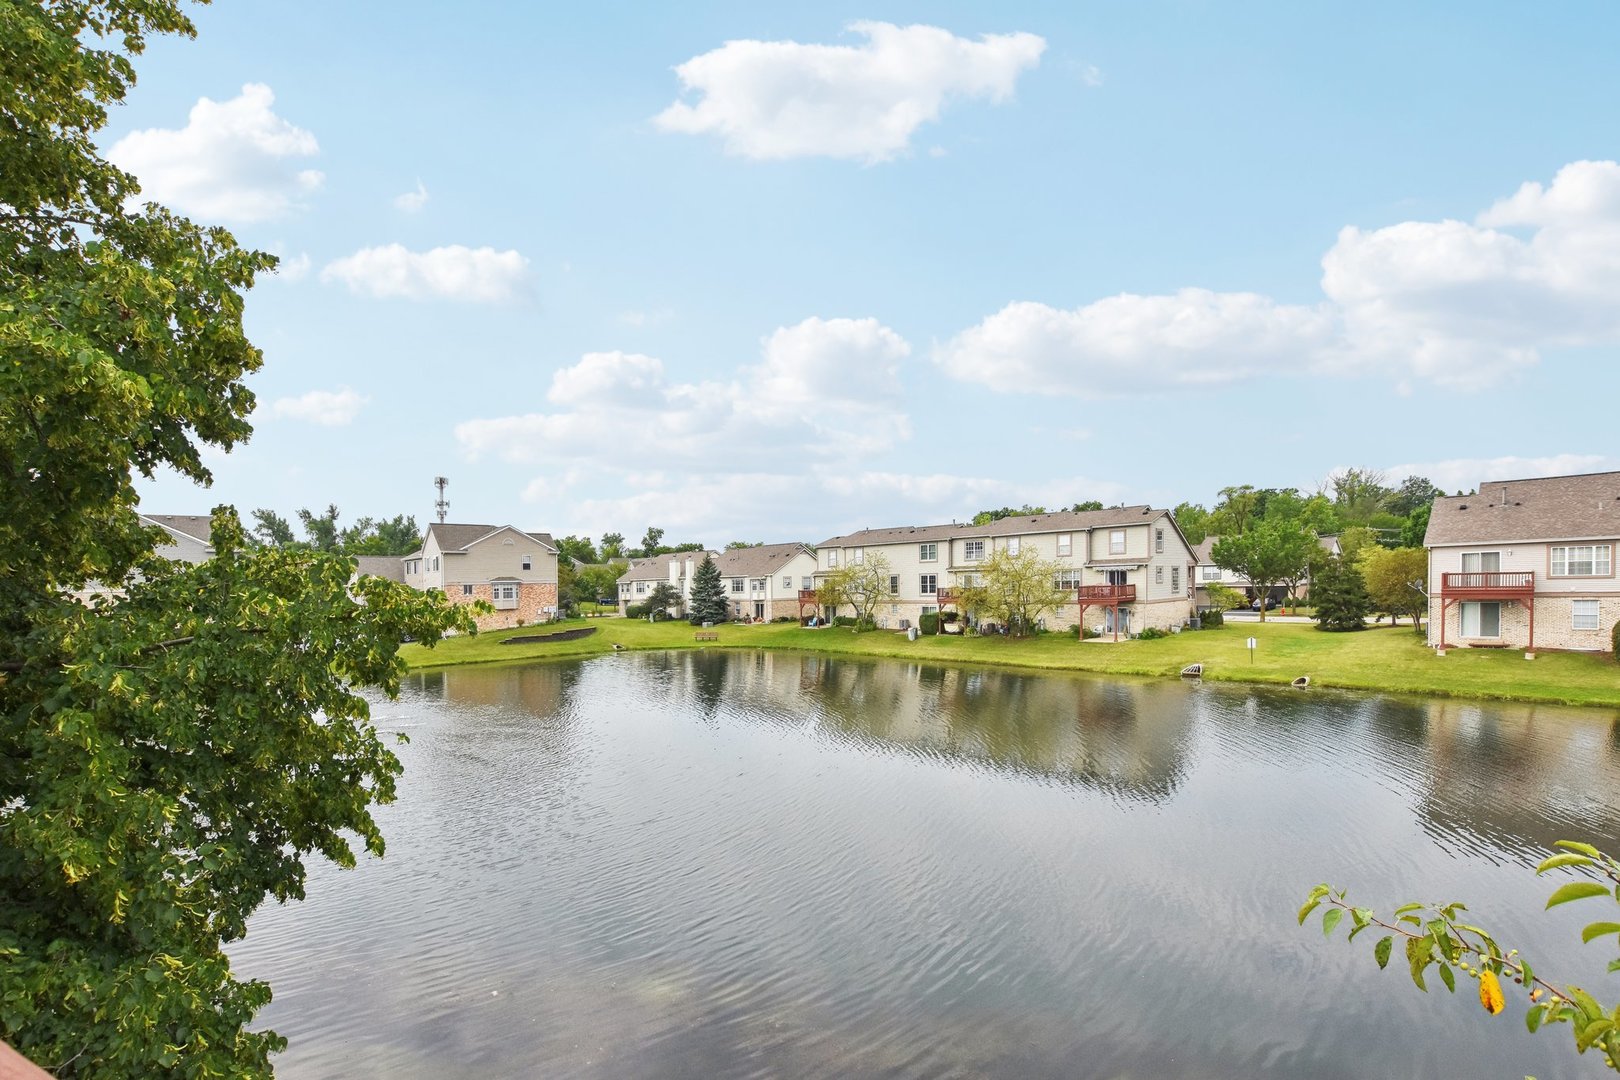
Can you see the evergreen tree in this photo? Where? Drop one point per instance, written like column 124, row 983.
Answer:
column 1340, row 595
column 708, row 594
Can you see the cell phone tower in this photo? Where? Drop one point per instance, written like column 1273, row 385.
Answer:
column 441, row 505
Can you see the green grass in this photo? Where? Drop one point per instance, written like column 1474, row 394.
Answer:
column 1377, row 659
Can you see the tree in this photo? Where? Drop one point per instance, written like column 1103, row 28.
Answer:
column 1397, row 581
column 708, row 602
column 1416, row 527
column 1268, row 554
column 1231, row 516
column 170, row 756
column 985, row 517
column 1015, row 590
column 1222, row 598
column 863, row 585
column 1433, row 936
column 596, row 582
column 1340, row 596
column 738, row 545
column 1358, row 494
column 1089, row 504
column 612, row 546
column 650, row 542
column 321, row 530
column 664, row 599
column 1192, row 520
column 393, row 536
column 577, row 549
column 272, row 529
column 1414, row 492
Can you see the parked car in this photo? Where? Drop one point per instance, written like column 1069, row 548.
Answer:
column 1271, row 603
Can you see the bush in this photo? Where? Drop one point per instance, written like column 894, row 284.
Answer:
column 786, row 618
column 865, row 624
column 929, row 623
column 1074, row 630
column 1212, row 619
column 1093, row 632
column 948, row 617
column 843, row 620
column 1152, row 633
column 1614, row 641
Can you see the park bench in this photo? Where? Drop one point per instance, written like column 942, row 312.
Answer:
column 707, row 635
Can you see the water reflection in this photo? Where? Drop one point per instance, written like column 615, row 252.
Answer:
column 717, row 864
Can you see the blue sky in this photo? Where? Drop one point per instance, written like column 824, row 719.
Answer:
column 772, row 274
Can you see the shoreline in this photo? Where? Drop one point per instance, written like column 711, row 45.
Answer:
column 1386, row 659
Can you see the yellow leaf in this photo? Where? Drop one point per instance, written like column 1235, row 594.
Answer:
column 1490, row 993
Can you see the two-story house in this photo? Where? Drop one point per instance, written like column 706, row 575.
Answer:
column 761, row 583
column 515, row 571
column 1207, row 573
column 1127, row 568
column 1526, row 564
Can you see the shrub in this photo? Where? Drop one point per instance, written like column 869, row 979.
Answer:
column 948, row 617
column 1093, row 631
column 1212, row 619
column 786, row 618
column 1614, row 641
column 1152, row 633
column 843, row 620
column 1074, row 630
column 865, row 624
column 929, row 623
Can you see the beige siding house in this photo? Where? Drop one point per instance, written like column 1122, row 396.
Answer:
column 761, row 582
column 1128, row 568
column 515, row 571
column 1526, row 564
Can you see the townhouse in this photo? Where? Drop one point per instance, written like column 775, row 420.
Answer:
column 762, row 583
column 1127, row 569
column 1526, row 564
column 515, row 571
column 1207, row 573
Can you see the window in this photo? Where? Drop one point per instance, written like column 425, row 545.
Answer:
column 1588, row 560
column 435, row 562
column 528, row 562
column 466, row 590
column 970, row 581
column 641, row 587
column 1066, row 580
column 1175, row 579
column 973, row 551
column 928, row 552
column 857, row 556
column 894, row 584
column 806, row 583
column 1211, row 573
column 1482, row 620
column 832, row 557
column 929, row 583
column 1583, row 615
column 1012, row 545
column 736, row 584
column 1065, row 543
column 1116, row 542
column 504, row 595
column 1475, row 562
column 758, row 584
column 1158, row 541
column 1158, row 575
column 787, row 582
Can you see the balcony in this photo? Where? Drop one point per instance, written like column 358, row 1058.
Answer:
column 1489, row 584
column 807, row 596
column 1106, row 594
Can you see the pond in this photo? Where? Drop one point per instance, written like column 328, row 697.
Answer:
column 716, row 864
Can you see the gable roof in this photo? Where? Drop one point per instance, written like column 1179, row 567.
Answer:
column 1583, row 507
column 455, row 539
column 656, row 568
column 391, row 567
column 196, row 527
column 762, row 561
column 1017, row 525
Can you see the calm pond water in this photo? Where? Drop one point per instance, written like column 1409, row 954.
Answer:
column 726, row 865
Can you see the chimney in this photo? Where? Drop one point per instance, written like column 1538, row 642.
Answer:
column 674, row 571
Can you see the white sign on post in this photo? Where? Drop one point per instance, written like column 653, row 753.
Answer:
column 1252, row 644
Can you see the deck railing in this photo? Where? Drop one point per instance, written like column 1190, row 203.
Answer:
column 1093, row 593
column 1489, row 581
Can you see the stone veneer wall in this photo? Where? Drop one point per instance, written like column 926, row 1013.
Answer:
column 1553, row 629
column 533, row 599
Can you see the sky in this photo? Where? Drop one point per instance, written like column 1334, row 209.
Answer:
column 777, row 272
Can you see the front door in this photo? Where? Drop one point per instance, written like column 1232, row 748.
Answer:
column 759, row 609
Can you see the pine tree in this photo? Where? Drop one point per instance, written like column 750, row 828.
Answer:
column 708, row 594
column 1340, row 596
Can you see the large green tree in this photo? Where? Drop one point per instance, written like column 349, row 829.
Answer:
column 708, row 596
column 171, row 755
column 1340, row 596
column 1397, row 581
column 1015, row 590
column 1269, row 553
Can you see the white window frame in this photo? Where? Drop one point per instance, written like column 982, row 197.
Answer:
column 737, row 586
column 787, row 582
column 1479, row 619
column 1480, row 559
column 832, row 558
column 973, row 551
column 1211, row 573
column 928, row 584
column 1158, row 575
column 857, row 556
column 928, row 552
column 1116, row 542
column 1065, row 544
column 1175, row 579
column 528, row 562
column 894, row 584
column 466, row 590
column 1014, row 543
column 807, row 583
column 641, row 588
column 1158, row 541
column 1585, row 615
column 1598, row 561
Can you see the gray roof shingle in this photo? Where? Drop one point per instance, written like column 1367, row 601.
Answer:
column 391, row 567
column 1580, row 507
column 196, row 526
column 1017, row 525
column 453, row 537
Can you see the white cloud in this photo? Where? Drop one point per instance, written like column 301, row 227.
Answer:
column 784, row 99
column 826, row 389
column 1466, row 474
column 1091, row 75
column 234, row 160
column 1447, row 302
column 292, row 267
column 412, row 201
column 481, row 275
column 328, row 408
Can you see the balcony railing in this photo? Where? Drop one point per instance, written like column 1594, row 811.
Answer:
column 807, row 596
column 1490, row 583
column 1106, row 593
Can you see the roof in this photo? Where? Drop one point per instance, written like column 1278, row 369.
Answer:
column 391, row 567
column 1201, row 552
column 657, row 567
column 197, row 526
column 1017, row 525
column 458, row 538
column 762, row 561
column 1586, row 506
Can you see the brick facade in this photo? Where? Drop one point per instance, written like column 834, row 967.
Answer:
column 1554, row 625
column 533, row 600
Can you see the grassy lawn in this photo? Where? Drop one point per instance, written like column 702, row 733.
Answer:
column 1377, row 659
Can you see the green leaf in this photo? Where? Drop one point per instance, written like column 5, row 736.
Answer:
column 1417, row 958
column 1405, row 908
column 1382, row 949
column 1533, row 1018
column 1558, row 861
column 1310, row 906
column 1590, row 1034
column 1330, row 919
column 1448, row 978
column 1584, row 849
column 1587, row 1003
column 1576, row 890
column 1598, row 929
